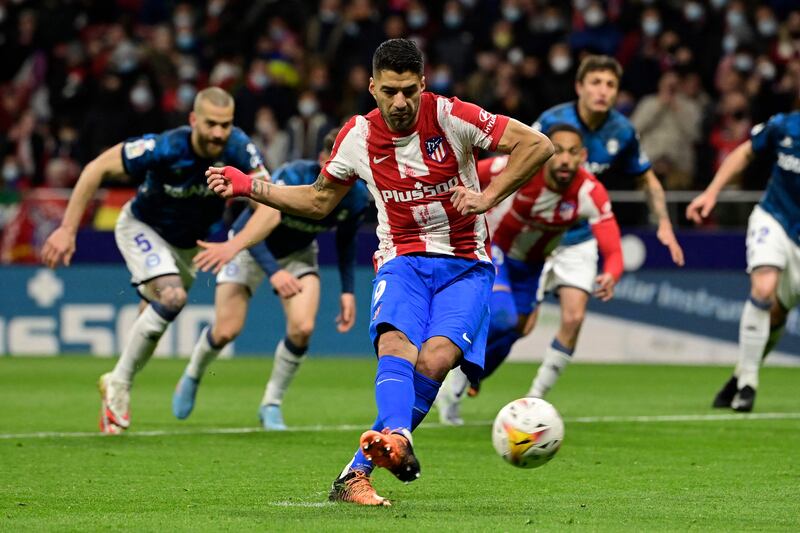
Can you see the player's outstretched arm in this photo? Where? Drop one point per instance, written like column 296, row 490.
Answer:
column 732, row 165
column 657, row 202
column 310, row 201
column 527, row 151
column 60, row 245
column 215, row 255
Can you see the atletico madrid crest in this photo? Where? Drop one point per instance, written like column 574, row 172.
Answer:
column 436, row 149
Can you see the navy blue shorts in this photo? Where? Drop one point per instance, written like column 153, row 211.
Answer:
column 428, row 296
column 518, row 278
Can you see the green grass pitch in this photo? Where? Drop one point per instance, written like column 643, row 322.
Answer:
column 613, row 473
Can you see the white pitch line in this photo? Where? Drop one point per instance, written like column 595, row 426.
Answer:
column 647, row 419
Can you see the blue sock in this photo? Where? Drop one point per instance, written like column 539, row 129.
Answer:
column 425, row 390
column 394, row 392
column 359, row 461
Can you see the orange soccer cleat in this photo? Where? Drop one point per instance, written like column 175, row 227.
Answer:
column 356, row 487
column 392, row 451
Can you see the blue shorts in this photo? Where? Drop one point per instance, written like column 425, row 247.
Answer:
column 518, row 278
column 428, row 296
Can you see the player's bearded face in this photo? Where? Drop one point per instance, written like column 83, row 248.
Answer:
column 568, row 157
column 598, row 90
column 211, row 127
column 398, row 97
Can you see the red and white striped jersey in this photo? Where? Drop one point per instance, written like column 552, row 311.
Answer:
column 530, row 225
column 411, row 175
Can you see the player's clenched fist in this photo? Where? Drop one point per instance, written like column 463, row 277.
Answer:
column 469, row 202
column 228, row 181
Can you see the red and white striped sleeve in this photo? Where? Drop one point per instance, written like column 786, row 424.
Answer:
column 472, row 125
column 340, row 167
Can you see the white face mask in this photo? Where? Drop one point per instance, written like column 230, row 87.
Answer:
column 452, row 19
column 767, row 27
column 729, row 43
column 651, row 27
column 594, row 17
column 307, row 107
column 735, row 19
column 10, row 172
column 512, row 13
column 560, row 64
column 141, row 97
column 743, row 62
column 416, row 19
column 693, row 11
column 766, row 70
column 259, row 80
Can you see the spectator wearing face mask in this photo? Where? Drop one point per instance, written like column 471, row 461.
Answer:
column 669, row 126
column 732, row 126
column 270, row 140
column 453, row 44
column 558, row 76
column 596, row 33
column 307, row 128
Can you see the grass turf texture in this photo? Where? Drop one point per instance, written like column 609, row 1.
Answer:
column 741, row 474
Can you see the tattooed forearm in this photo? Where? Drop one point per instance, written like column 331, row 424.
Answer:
column 260, row 186
column 656, row 198
column 320, row 183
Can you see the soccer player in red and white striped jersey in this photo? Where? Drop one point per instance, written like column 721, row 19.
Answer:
column 430, row 312
column 526, row 229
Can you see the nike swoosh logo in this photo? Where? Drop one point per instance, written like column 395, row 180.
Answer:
column 388, row 379
column 378, row 160
column 464, row 336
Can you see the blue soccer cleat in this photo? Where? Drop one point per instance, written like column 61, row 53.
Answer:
column 271, row 418
column 183, row 399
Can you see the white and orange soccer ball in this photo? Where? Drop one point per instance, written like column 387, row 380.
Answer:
column 527, row 432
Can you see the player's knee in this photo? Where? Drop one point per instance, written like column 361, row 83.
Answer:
column 225, row 333
column 437, row 358
column 173, row 299
column 300, row 332
column 572, row 319
column 763, row 293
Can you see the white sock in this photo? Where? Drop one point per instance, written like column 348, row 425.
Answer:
column 556, row 359
column 145, row 334
column 202, row 355
column 283, row 370
column 458, row 383
column 753, row 337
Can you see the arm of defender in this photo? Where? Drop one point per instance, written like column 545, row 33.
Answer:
column 732, row 166
column 60, row 245
column 216, row 254
column 657, row 202
column 527, row 151
column 310, row 201
column 608, row 242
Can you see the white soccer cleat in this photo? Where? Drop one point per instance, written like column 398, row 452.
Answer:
column 115, row 400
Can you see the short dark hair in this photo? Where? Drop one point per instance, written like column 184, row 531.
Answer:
column 329, row 140
column 593, row 63
column 563, row 126
column 398, row 55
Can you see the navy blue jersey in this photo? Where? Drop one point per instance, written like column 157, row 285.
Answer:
column 614, row 154
column 780, row 138
column 174, row 198
column 295, row 233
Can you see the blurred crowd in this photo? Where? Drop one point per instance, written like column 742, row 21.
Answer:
column 78, row 76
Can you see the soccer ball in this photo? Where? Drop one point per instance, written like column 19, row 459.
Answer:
column 527, row 432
